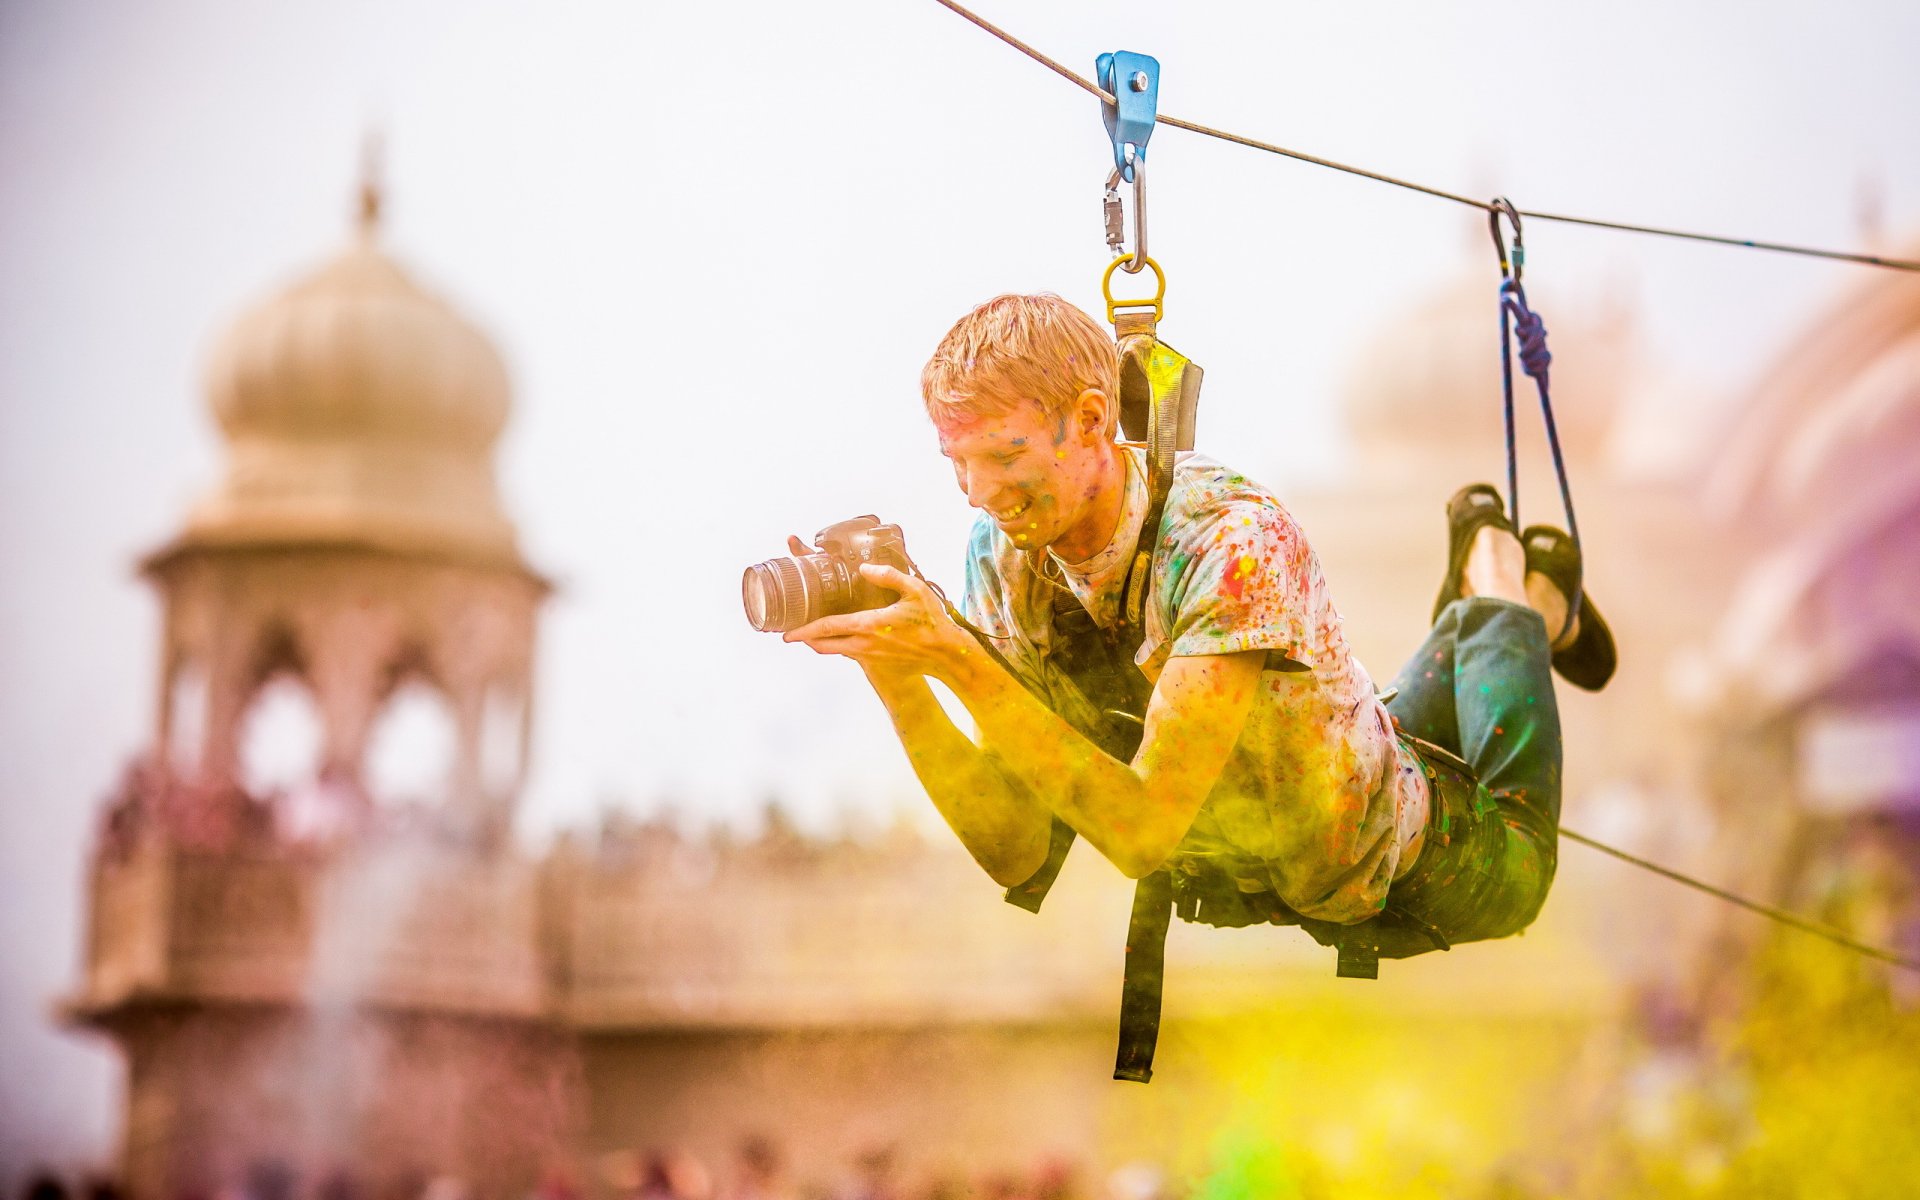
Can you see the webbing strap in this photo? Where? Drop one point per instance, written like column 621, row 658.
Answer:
column 1141, row 981
column 1159, row 401
column 1158, row 379
column 1159, row 395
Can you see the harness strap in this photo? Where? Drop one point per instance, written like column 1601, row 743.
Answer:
column 1159, row 400
column 1141, row 981
column 1159, row 395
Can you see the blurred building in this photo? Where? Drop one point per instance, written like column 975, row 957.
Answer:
column 1811, row 675
column 296, row 977
column 307, row 973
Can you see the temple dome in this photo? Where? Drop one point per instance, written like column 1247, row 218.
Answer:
column 358, row 407
column 1428, row 381
column 359, row 349
column 1820, row 483
column 1828, row 435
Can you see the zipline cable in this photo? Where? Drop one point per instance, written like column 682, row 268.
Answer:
column 1780, row 915
column 1766, row 910
column 1060, row 69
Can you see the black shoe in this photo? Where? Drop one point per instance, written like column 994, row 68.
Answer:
column 1590, row 661
column 1473, row 506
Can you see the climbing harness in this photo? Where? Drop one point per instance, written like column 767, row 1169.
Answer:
column 1159, row 396
column 1159, row 399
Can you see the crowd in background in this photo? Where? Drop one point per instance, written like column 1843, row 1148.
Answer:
column 758, row 1170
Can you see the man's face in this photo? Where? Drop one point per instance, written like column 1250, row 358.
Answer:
column 1034, row 473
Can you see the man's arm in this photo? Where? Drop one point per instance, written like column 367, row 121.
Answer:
column 1133, row 813
column 999, row 822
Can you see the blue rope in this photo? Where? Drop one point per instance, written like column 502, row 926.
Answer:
column 1517, row 318
column 1506, row 388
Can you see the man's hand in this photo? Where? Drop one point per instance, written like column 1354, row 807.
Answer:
column 912, row 636
column 1001, row 824
column 1134, row 813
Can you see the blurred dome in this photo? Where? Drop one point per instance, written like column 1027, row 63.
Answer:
column 1820, row 481
column 358, row 407
column 1829, row 433
column 1429, row 378
column 358, row 349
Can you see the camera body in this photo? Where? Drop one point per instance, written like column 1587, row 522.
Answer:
column 781, row 594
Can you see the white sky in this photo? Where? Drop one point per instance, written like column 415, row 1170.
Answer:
column 715, row 242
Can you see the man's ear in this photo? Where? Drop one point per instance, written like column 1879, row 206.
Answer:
column 1092, row 413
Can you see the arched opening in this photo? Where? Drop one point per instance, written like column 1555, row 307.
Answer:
column 501, row 718
column 411, row 751
column 186, row 718
column 279, row 737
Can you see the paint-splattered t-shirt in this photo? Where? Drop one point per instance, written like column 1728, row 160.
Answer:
column 1319, row 798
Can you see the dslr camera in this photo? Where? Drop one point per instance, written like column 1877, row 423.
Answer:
column 785, row 593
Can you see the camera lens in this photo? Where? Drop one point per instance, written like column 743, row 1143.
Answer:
column 777, row 595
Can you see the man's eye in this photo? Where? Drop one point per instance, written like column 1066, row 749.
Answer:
column 1006, row 460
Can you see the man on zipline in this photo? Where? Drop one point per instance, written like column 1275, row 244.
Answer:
column 1267, row 781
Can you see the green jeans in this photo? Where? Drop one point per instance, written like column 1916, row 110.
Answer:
column 1481, row 689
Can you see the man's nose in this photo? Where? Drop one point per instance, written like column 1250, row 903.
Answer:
column 981, row 486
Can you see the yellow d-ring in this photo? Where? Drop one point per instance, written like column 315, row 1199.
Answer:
column 1106, row 289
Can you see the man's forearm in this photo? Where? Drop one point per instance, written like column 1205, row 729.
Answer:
column 1001, row 824
column 1104, row 799
column 1001, row 796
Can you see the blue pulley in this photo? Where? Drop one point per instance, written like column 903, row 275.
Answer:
column 1134, row 81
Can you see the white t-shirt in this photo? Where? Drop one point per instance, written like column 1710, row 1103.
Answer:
column 1319, row 799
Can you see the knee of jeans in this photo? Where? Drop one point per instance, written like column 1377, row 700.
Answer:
column 1529, row 901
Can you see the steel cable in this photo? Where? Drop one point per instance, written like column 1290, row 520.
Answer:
column 1766, row 910
column 1060, row 69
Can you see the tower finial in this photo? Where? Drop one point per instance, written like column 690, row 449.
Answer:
column 372, row 167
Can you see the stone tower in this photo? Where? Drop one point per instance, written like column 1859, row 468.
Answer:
column 310, row 977
column 357, row 542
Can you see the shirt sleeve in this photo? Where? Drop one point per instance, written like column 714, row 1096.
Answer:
column 1244, row 578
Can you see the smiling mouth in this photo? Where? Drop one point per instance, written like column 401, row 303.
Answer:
column 1014, row 513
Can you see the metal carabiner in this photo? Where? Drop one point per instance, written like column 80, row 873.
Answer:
column 1115, row 222
column 1499, row 207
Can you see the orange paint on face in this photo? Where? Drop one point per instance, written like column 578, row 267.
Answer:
column 1039, row 499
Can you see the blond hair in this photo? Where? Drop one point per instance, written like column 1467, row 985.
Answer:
column 1019, row 348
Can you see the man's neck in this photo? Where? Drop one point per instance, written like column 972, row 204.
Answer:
column 1090, row 535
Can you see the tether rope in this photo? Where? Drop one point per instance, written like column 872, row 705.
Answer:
column 1766, row 910
column 1060, row 69
column 1518, row 320
column 1535, row 359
